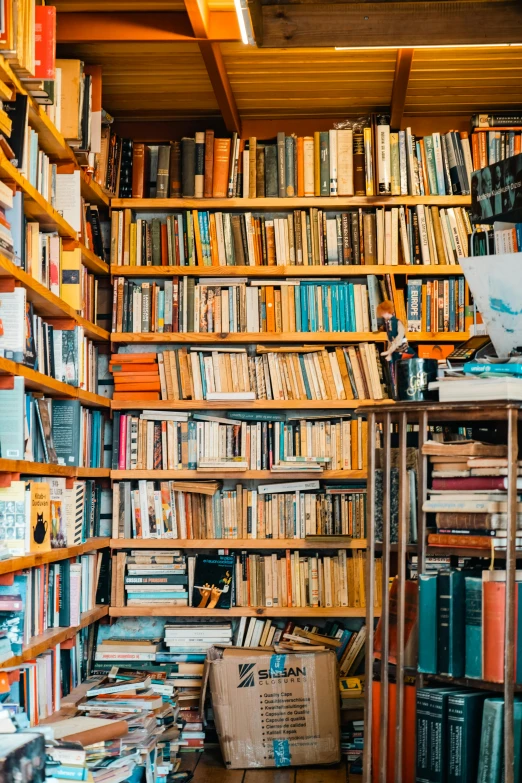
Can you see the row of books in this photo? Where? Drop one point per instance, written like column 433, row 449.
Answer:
column 340, row 162
column 491, row 146
column 436, row 305
column 223, row 306
column 222, row 373
column 471, row 642
column 223, row 581
column 407, row 235
column 460, row 734
column 189, row 510
column 48, row 596
column 39, row 514
column 55, row 431
column 155, row 440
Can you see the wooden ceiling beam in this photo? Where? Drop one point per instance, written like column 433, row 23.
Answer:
column 395, row 24
column 400, row 85
column 200, row 19
column 172, row 27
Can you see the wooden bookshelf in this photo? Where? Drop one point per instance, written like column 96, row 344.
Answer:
column 292, row 270
column 48, row 469
column 53, row 556
column 164, row 475
column 92, row 192
column 47, row 304
column 150, row 610
column 43, row 383
column 244, row 405
column 235, row 543
column 39, row 644
column 204, row 338
column 259, row 204
column 92, row 262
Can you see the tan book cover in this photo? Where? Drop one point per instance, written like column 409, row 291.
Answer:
column 40, row 516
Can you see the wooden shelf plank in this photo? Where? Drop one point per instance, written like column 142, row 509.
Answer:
column 332, row 270
column 332, row 202
column 47, row 469
column 40, row 382
column 39, row 644
column 233, row 543
column 50, row 140
column 164, row 475
column 92, row 192
column 47, row 303
column 92, row 262
column 53, row 556
column 197, row 338
column 244, row 405
column 147, row 610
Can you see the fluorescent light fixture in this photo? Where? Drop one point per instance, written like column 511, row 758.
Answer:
column 245, row 26
column 424, row 46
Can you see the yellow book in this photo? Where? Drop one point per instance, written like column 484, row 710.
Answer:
column 368, row 161
column 133, row 239
column 317, row 163
column 40, row 516
column 70, row 289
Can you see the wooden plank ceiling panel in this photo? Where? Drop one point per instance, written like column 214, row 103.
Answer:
column 71, row 6
column 466, row 80
column 308, row 82
column 150, row 80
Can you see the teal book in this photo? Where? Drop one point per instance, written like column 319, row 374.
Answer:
column 12, row 405
column 451, row 630
column 518, row 650
column 438, row 733
column 422, row 774
column 491, row 741
column 430, row 164
column 428, row 624
column 473, row 631
column 464, row 729
column 517, row 732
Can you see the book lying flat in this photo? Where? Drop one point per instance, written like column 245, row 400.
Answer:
column 89, row 730
column 464, row 448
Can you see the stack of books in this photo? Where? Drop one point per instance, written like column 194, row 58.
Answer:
column 204, row 510
column 314, row 237
column 352, row 744
column 468, row 495
column 151, row 578
column 136, row 376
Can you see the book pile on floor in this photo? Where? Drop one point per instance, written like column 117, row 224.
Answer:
column 352, row 744
column 468, row 494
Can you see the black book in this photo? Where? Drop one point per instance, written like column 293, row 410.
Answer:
column 156, row 241
column 93, row 216
column 103, row 590
column 125, row 188
column 213, row 581
column 188, row 167
column 86, row 113
column 271, row 190
column 162, row 179
column 64, row 604
column 66, row 424
column 17, row 112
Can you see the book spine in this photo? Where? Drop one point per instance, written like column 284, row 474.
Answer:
column 451, row 628
column 428, row 623
column 281, row 167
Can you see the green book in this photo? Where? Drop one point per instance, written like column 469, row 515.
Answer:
column 451, row 629
column 438, row 733
column 473, row 622
column 290, row 182
column 464, row 728
column 156, row 241
column 427, row 624
column 423, row 740
column 430, row 164
column 491, row 741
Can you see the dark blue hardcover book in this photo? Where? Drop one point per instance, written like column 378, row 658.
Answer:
column 451, row 625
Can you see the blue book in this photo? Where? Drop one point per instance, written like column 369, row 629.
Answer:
column 12, row 613
column 161, row 311
column 336, row 321
column 297, row 299
column 312, row 317
column 451, row 630
column 70, row 772
column 15, row 216
column 192, row 446
column 343, row 313
column 180, row 657
column 414, row 312
column 181, row 243
column 473, row 620
column 427, row 624
column 304, row 308
column 323, row 292
column 305, row 377
column 202, row 372
column 12, row 405
column 345, row 638
column 351, row 309
column 491, row 741
column 477, row 368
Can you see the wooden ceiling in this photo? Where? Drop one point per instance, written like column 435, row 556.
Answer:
column 200, row 69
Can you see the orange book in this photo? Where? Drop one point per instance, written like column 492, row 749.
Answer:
column 134, row 358
column 132, row 369
column 270, row 309
column 517, row 145
column 214, row 254
column 221, row 166
column 135, row 395
column 197, row 238
column 456, row 540
column 493, row 611
column 475, row 151
column 408, row 746
column 439, row 352
column 143, row 385
column 483, row 145
column 126, row 377
column 164, row 246
column 300, row 166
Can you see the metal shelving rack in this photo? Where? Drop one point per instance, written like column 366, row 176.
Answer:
column 423, row 415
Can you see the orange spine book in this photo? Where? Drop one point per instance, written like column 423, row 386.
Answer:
column 493, row 605
column 483, row 145
column 221, row 166
column 134, row 358
column 475, row 151
column 455, row 540
column 270, row 309
column 300, row 167
column 127, row 396
column 517, row 144
column 409, row 718
column 164, row 246
column 214, row 253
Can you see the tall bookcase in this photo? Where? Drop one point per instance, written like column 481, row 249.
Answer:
column 49, row 305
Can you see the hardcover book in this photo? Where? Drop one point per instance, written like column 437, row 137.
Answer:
column 213, row 582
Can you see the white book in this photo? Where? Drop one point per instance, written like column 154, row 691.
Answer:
column 75, row 588
column 406, row 257
column 308, row 155
column 333, row 161
column 403, row 163
column 250, row 632
column 380, row 220
column 388, row 255
column 423, row 234
column 289, row 486
column 395, row 236
column 244, row 395
column 344, row 162
column 246, row 170
column 439, row 164
column 455, row 232
column 413, row 189
column 68, row 201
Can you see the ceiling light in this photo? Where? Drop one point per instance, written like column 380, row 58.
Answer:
column 245, row 25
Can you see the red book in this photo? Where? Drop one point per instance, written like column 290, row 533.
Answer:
column 456, row 540
column 123, row 442
column 164, row 246
column 408, row 730
column 493, row 609
column 45, row 42
column 473, row 482
column 135, row 395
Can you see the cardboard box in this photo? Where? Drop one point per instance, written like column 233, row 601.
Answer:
column 274, row 710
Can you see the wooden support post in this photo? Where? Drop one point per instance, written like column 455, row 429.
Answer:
column 370, row 591
column 199, row 16
column 400, row 85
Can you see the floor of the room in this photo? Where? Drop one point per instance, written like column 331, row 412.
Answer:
column 208, row 767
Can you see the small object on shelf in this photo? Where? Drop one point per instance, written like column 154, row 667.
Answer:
column 414, row 377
